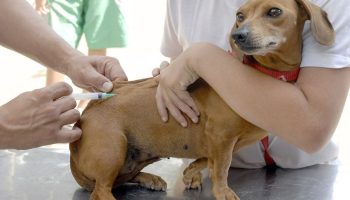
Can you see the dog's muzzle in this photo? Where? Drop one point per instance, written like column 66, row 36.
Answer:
column 244, row 40
column 240, row 36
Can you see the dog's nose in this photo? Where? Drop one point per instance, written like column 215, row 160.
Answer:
column 241, row 35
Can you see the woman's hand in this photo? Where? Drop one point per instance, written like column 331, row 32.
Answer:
column 172, row 92
column 156, row 71
column 38, row 118
column 94, row 73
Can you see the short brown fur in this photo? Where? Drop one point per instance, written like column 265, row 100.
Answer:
column 123, row 134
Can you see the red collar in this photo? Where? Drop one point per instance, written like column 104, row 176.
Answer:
column 288, row 76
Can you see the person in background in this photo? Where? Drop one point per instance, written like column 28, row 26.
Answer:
column 38, row 117
column 102, row 23
column 301, row 117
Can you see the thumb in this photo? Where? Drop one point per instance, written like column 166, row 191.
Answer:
column 156, row 71
column 101, row 83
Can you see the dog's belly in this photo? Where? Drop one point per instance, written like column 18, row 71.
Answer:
column 169, row 140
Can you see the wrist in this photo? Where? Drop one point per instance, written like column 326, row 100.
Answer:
column 195, row 55
column 67, row 61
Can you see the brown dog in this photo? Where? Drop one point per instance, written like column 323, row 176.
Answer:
column 124, row 134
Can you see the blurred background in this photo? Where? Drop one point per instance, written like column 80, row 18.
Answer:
column 145, row 25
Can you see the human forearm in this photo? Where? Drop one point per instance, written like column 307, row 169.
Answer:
column 31, row 36
column 24, row 31
column 303, row 113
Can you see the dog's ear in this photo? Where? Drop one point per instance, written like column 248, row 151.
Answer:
column 321, row 27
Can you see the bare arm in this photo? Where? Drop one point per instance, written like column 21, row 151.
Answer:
column 25, row 32
column 305, row 114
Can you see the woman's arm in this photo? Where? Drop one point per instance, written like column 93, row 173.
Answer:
column 305, row 114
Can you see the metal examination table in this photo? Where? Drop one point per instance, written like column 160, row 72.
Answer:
column 44, row 174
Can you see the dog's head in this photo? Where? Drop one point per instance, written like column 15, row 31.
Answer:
column 266, row 26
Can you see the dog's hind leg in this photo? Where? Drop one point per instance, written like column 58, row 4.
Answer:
column 106, row 159
column 220, row 156
column 149, row 181
column 192, row 176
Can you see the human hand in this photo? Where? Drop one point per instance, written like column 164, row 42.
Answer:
column 38, row 118
column 156, row 71
column 172, row 92
column 41, row 7
column 94, row 73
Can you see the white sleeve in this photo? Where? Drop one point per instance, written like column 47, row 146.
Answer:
column 170, row 46
column 337, row 55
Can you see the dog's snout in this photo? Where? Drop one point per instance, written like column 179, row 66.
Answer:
column 241, row 35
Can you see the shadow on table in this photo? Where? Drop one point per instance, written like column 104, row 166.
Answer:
column 310, row 183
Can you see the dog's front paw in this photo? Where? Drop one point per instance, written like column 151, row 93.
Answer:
column 193, row 182
column 225, row 194
column 150, row 181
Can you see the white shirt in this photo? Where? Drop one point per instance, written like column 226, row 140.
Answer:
column 190, row 21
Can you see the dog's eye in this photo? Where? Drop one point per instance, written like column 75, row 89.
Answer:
column 274, row 12
column 240, row 17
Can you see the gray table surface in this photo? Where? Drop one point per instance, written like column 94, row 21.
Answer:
column 44, row 173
